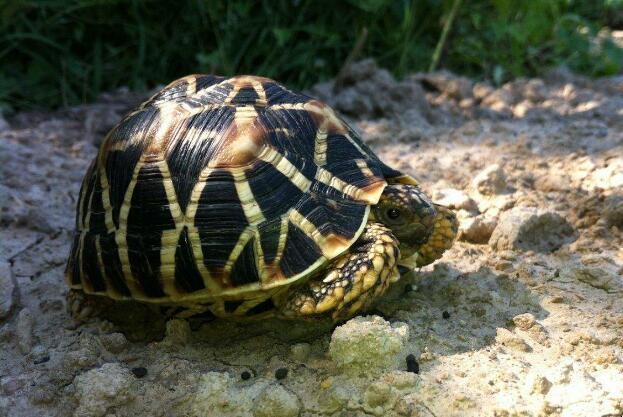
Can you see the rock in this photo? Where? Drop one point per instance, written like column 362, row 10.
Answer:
column 114, row 342
column 9, row 385
column 79, row 359
column 24, row 331
column 99, row 389
column 613, row 211
column 511, row 340
column 377, row 394
column 490, row 181
column 550, row 182
column 368, row 345
column 4, row 125
column 7, row 290
column 454, row 199
column 42, row 395
column 499, row 100
column 535, row 331
column 524, row 321
column 216, row 396
column 541, row 385
column 599, row 278
column 447, row 84
column 526, row 228
column 276, row 401
column 300, row 351
column 481, row 90
column 353, row 97
column 477, row 229
column 535, row 90
column 178, row 332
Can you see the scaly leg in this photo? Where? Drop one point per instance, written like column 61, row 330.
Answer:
column 353, row 282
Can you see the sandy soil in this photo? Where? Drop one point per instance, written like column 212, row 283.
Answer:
column 522, row 317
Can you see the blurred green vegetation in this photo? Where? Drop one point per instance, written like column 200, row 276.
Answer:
column 62, row 52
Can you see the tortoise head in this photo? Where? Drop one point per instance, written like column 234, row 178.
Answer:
column 409, row 213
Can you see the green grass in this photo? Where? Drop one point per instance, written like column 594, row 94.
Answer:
column 62, row 52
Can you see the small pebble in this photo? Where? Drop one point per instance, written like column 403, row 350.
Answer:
column 24, row 331
column 410, row 288
column 245, row 375
column 281, row 373
column 114, row 342
column 139, row 372
column 412, row 365
column 300, row 351
column 42, row 359
column 445, row 315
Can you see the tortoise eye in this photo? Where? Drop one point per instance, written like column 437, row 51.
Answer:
column 393, row 213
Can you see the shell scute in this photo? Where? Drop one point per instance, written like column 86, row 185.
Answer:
column 220, row 188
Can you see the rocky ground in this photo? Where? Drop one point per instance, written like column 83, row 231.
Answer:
column 523, row 317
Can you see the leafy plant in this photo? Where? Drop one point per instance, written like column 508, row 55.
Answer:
column 61, row 52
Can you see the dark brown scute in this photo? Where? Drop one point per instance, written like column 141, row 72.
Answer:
column 301, row 128
column 219, row 218
column 90, row 264
column 273, row 191
column 299, row 253
column 244, row 270
column 112, row 264
column 333, row 216
column 187, row 275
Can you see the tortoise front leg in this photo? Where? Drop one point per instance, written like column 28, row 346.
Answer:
column 354, row 280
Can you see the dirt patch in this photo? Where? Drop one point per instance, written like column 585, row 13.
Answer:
column 522, row 317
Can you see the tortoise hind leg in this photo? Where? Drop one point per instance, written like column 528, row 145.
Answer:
column 353, row 282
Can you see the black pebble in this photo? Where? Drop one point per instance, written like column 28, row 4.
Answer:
column 281, row 373
column 42, row 359
column 412, row 365
column 245, row 375
column 445, row 315
column 139, row 372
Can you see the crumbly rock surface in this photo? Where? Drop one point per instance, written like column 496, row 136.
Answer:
column 558, row 142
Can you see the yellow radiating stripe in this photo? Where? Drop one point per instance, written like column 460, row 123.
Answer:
column 86, row 286
column 283, row 165
column 365, row 169
column 331, row 119
column 121, row 235
column 193, row 232
column 331, row 245
column 356, row 145
column 259, row 255
column 83, row 191
column 234, row 91
column 110, row 224
column 261, row 93
column 283, row 235
column 246, row 234
column 193, row 203
column 327, row 178
column 111, row 291
column 286, row 131
column 287, row 106
column 169, row 238
column 191, row 88
column 244, row 116
column 87, row 225
column 320, row 146
column 251, row 208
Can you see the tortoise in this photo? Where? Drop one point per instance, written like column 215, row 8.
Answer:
column 239, row 197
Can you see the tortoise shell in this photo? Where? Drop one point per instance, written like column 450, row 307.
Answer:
column 220, row 188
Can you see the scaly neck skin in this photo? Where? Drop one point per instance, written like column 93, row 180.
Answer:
column 409, row 213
